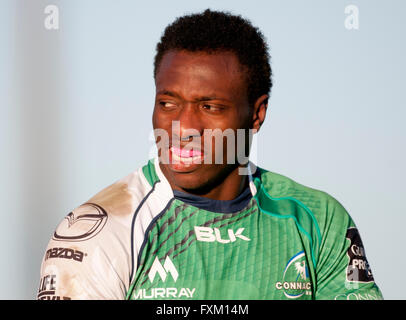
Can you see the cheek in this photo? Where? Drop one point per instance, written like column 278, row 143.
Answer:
column 219, row 146
column 234, row 122
column 161, row 120
column 154, row 118
column 161, row 131
column 245, row 117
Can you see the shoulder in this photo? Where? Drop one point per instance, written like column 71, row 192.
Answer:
column 89, row 254
column 111, row 208
column 323, row 206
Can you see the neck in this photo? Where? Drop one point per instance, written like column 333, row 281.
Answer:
column 226, row 186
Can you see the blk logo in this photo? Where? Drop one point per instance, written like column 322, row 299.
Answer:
column 208, row 234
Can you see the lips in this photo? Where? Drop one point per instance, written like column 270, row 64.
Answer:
column 186, row 156
column 186, row 153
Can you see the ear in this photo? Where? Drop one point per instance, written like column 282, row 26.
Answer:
column 259, row 112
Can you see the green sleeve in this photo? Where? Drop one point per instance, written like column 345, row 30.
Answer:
column 342, row 270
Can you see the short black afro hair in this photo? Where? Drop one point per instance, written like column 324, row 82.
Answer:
column 213, row 31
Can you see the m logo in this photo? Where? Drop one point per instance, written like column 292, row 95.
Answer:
column 168, row 267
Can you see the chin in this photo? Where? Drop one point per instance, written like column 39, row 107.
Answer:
column 189, row 181
column 200, row 182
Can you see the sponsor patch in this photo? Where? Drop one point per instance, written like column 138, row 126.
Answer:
column 47, row 289
column 163, row 272
column 65, row 253
column 358, row 269
column 81, row 224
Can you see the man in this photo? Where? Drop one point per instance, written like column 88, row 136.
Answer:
column 200, row 221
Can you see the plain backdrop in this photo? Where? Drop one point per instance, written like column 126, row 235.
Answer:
column 76, row 106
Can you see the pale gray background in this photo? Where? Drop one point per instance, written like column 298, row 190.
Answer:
column 76, row 109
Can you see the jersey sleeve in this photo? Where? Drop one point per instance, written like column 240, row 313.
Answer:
column 84, row 259
column 342, row 270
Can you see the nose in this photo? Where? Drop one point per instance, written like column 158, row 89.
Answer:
column 190, row 124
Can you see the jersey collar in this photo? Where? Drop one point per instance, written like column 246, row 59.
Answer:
column 220, row 206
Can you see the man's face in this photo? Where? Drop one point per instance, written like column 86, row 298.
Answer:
column 201, row 91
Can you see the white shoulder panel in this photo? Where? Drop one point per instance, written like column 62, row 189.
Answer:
column 154, row 203
column 89, row 255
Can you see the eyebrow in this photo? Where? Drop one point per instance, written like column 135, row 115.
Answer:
column 168, row 93
column 203, row 98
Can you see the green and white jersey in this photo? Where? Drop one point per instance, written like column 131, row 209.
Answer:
column 139, row 239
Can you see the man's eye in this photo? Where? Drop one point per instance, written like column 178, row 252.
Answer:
column 167, row 105
column 210, row 107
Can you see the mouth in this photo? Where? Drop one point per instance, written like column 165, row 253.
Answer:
column 182, row 159
column 186, row 155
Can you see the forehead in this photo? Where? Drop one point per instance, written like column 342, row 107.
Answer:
column 194, row 72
